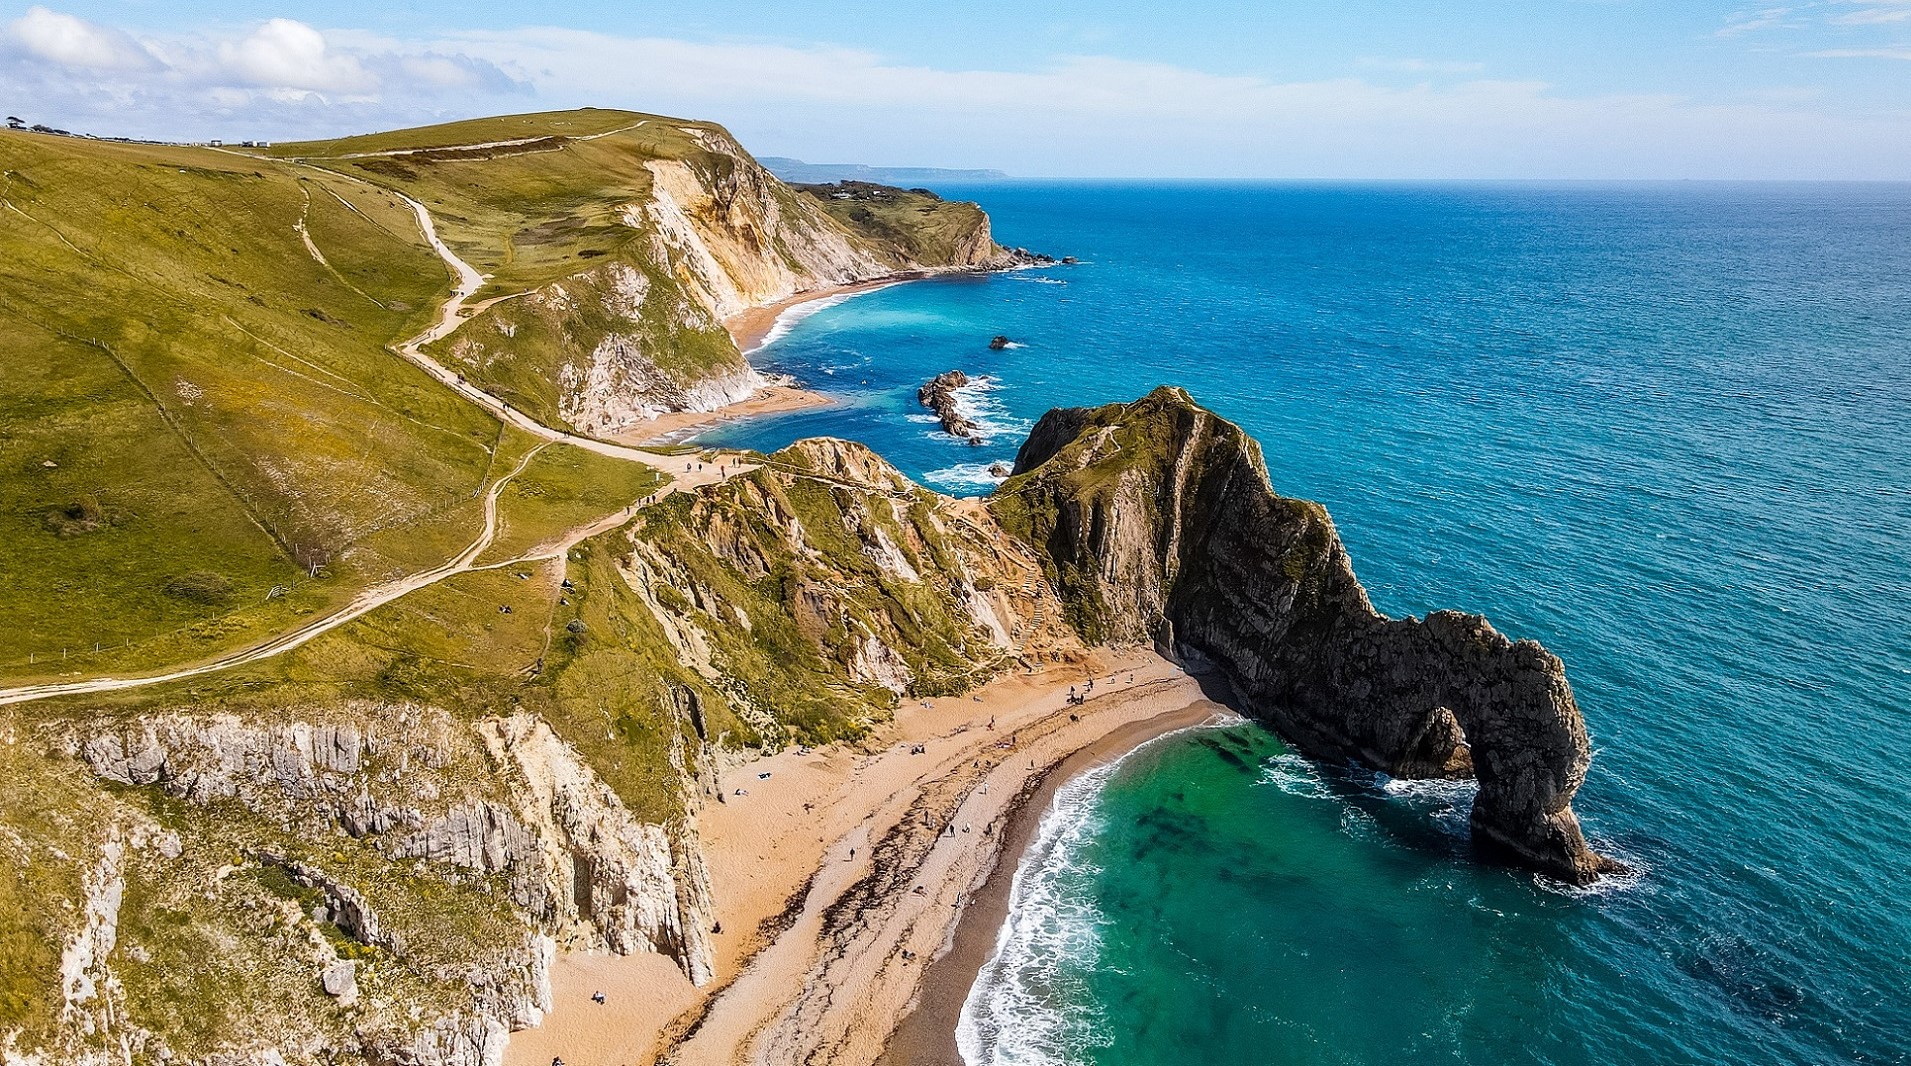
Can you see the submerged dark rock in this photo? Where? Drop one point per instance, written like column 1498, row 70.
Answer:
column 939, row 396
column 999, row 342
column 1160, row 525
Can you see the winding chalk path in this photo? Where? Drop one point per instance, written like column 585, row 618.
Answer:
column 450, row 318
column 368, row 600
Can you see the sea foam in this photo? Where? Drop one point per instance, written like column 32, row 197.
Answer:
column 790, row 317
column 1027, row 1006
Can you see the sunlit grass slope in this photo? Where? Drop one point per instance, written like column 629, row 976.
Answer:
column 197, row 408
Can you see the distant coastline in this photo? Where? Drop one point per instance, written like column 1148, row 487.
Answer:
column 797, row 171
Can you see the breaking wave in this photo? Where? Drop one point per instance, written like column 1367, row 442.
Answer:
column 791, row 316
column 1029, row 1006
column 964, row 476
column 976, row 402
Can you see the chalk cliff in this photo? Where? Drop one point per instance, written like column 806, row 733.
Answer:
column 1159, row 524
column 707, row 234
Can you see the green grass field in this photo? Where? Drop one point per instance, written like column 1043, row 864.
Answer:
column 207, row 440
column 526, row 214
column 197, row 411
column 911, row 225
column 565, row 488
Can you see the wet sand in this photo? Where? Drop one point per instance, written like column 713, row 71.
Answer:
column 822, row 952
column 927, row 1035
column 678, row 427
column 750, row 328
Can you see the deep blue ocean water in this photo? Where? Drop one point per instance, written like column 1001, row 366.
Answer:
column 1665, row 429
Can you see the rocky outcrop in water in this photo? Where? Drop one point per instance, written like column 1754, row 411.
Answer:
column 939, row 396
column 630, row 338
column 1160, row 525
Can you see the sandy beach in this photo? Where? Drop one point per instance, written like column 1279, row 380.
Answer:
column 859, row 888
column 680, row 426
column 839, row 877
column 751, row 328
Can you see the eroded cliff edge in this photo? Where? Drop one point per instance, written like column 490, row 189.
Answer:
column 1159, row 524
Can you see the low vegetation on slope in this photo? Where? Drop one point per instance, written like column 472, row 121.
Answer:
column 198, row 411
column 209, row 440
column 394, row 769
column 614, row 244
column 526, row 199
column 910, row 225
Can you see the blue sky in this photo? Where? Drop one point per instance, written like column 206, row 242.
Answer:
column 1539, row 88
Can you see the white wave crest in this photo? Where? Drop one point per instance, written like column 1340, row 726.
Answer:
column 1017, row 1013
column 1636, row 874
column 788, row 319
column 964, row 476
column 991, row 417
column 1295, row 775
column 1027, row 1006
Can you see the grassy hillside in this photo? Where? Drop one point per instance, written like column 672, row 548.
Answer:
column 911, row 225
column 207, row 440
column 535, row 202
column 194, row 409
column 529, row 213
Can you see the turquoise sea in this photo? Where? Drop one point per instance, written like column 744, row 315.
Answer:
column 1664, row 428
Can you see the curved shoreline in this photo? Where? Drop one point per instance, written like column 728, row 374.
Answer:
column 800, row 912
column 926, row 1036
column 753, row 328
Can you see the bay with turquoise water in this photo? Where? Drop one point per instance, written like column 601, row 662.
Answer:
column 1665, row 429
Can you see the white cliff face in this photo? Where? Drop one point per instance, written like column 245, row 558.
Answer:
column 504, row 800
column 642, row 336
column 744, row 245
column 621, row 873
column 525, row 807
column 86, row 981
column 618, row 387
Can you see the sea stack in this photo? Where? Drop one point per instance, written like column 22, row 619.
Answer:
column 1160, row 526
column 939, row 396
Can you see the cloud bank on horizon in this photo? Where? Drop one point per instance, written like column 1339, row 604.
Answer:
column 1068, row 113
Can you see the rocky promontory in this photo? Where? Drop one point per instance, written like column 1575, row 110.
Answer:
column 939, row 396
column 1160, row 525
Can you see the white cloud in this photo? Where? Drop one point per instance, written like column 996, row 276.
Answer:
column 1876, row 13
column 284, row 54
column 74, row 42
column 1739, row 23
column 282, row 74
column 1074, row 115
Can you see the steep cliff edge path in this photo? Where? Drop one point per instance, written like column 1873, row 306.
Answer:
column 482, row 145
column 452, row 315
column 379, row 595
